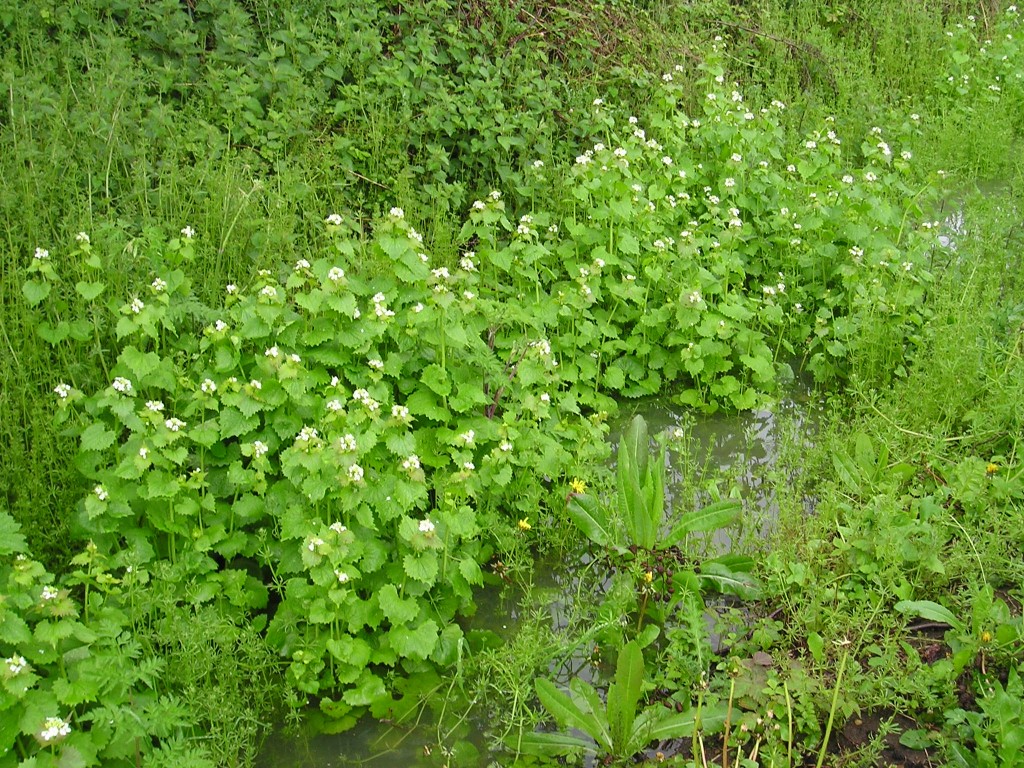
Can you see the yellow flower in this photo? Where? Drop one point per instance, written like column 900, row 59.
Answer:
column 649, row 577
column 577, row 485
column 986, row 636
column 992, row 469
column 524, row 525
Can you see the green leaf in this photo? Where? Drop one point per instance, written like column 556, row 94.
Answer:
column 926, row 609
column 435, row 377
column 396, row 609
column 141, row 364
column 421, row 566
column 564, row 710
column 415, row 643
column 590, row 517
column 550, row 744
column 624, row 694
column 709, row 518
column 11, row 540
column 89, row 291
column 35, row 291
column 654, row 725
column 369, row 690
column 96, row 437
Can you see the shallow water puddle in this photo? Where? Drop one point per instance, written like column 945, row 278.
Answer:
column 729, row 451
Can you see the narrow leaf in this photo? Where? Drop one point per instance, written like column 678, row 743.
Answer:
column 590, row 517
column 926, row 609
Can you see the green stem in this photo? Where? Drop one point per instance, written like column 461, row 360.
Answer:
column 832, row 710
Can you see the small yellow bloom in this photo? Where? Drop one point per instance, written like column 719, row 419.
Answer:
column 577, row 485
column 649, row 577
column 986, row 636
column 992, row 469
column 524, row 525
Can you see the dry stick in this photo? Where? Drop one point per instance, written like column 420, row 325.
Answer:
column 371, row 181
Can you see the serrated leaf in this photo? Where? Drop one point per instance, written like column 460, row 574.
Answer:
column 421, row 566
column 396, row 609
column 11, row 540
column 415, row 643
column 96, row 437
column 435, row 377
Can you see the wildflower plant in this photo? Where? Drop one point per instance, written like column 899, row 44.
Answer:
column 351, row 438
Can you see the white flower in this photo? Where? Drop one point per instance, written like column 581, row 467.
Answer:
column 426, row 526
column 334, row 220
column 598, row 102
column 256, row 384
column 907, row 266
column 341, row 575
column 301, row 264
column 220, row 326
column 791, row 168
column 307, row 434
column 158, row 285
column 505, row 446
column 295, row 358
column 208, row 386
column 269, row 291
column 466, row 262
column 479, row 205
column 122, row 385
column 629, row 278
column 137, row 305
column 355, row 473
column 174, row 424
column 231, row 289
column 694, row 297
column 856, row 252
column 441, row 273
column 347, row 443
column 338, row 528
column 272, row 352
column 847, row 179
column 583, row 160
column 418, row 308
column 16, row 664
column 398, row 213
column 82, row 238
column 155, row 406
column 335, row 405
column 63, row 391
column 54, row 728
column 736, row 157
column 376, row 364
column 414, row 235
column 468, row 437
column 412, row 463
column 905, row 154
column 469, row 466
column 259, row 448
column 667, row 77
column 538, row 163
column 41, row 254
column 915, row 117
column 49, row 593
column 666, row 160
column 545, row 397
column 336, row 274
column 313, row 543
column 188, row 233
column 468, row 295
column 811, row 144
column 885, row 148
column 101, row 493
column 869, row 176
column 730, row 182
column 495, row 195
column 399, row 412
